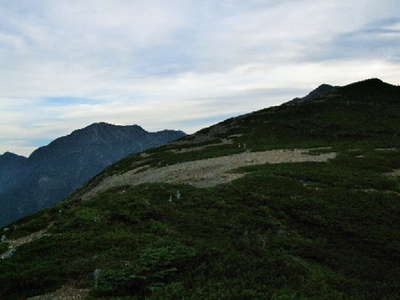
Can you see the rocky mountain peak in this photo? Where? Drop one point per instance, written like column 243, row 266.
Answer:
column 103, row 128
column 53, row 171
column 372, row 84
column 321, row 91
column 11, row 156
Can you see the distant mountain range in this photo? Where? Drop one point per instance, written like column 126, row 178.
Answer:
column 52, row 172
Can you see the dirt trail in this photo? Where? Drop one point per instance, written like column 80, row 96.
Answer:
column 65, row 293
column 395, row 173
column 14, row 244
column 198, row 148
column 27, row 239
column 207, row 172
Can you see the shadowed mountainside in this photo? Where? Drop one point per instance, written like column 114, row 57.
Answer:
column 54, row 171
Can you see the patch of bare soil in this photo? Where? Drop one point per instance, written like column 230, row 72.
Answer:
column 27, row 239
column 385, row 149
column 207, row 172
column 395, row 172
column 14, row 244
column 65, row 293
column 198, row 148
column 377, row 191
column 192, row 140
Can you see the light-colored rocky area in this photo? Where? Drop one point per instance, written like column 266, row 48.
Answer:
column 198, row 148
column 14, row 244
column 207, row 172
column 385, row 149
column 65, row 293
column 28, row 239
column 395, row 172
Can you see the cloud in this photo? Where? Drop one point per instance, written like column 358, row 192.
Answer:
column 178, row 64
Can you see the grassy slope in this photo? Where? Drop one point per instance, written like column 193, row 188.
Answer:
column 287, row 231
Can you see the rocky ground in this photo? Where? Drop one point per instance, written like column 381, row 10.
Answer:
column 207, row 172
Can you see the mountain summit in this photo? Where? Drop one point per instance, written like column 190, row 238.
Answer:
column 289, row 202
column 366, row 89
column 319, row 93
column 53, row 171
column 10, row 156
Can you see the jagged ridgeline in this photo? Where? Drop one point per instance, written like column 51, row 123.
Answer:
column 299, row 201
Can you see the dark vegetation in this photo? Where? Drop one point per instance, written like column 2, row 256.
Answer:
column 287, row 231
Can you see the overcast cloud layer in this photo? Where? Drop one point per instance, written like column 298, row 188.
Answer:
column 178, row 64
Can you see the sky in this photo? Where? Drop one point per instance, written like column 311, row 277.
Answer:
column 178, row 64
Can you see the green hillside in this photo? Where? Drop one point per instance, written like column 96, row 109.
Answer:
column 299, row 201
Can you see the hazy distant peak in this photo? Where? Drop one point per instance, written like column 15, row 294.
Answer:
column 107, row 126
column 101, row 133
column 99, row 124
column 9, row 155
column 172, row 130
